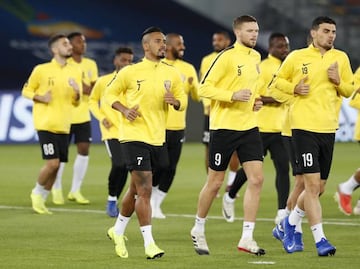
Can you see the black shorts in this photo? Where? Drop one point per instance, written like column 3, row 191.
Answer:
column 314, row 151
column 223, row 143
column 140, row 156
column 54, row 146
column 206, row 132
column 115, row 151
column 175, row 137
column 296, row 169
column 81, row 132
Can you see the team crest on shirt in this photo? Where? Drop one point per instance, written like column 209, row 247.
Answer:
column 90, row 74
column 183, row 78
column 167, row 85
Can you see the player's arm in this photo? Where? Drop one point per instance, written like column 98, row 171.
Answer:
column 262, row 89
column 113, row 91
column 31, row 87
column 88, row 87
column 278, row 95
column 207, row 88
column 342, row 77
column 94, row 101
column 355, row 99
column 75, row 83
column 193, row 85
column 284, row 81
column 176, row 96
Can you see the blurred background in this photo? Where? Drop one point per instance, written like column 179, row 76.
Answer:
column 108, row 24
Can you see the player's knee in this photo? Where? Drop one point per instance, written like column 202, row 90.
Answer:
column 53, row 164
column 256, row 180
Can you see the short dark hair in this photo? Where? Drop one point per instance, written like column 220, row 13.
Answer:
column 223, row 33
column 123, row 50
column 152, row 29
column 55, row 38
column 274, row 36
column 322, row 19
column 74, row 34
column 244, row 18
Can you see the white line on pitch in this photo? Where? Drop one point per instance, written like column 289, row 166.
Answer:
column 343, row 222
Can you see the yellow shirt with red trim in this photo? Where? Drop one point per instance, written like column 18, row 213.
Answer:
column 102, row 110
column 235, row 68
column 271, row 117
column 144, row 84
column 319, row 110
column 176, row 120
column 53, row 117
column 89, row 76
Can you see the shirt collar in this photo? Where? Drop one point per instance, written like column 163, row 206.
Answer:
column 274, row 59
column 242, row 48
column 150, row 63
column 312, row 47
column 53, row 61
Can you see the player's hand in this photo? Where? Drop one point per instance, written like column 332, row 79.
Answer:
column 132, row 113
column 190, row 80
column 257, row 104
column 170, row 99
column 46, row 98
column 302, row 88
column 107, row 124
column 243, row 95
column 75, row 86
column 86, row 88
column 333, row 73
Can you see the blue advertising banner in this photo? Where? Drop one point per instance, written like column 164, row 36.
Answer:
column 16, row 123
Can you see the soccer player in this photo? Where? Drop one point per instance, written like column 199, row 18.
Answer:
column 278, row 231
column 317, row 76
column 270, row 122
column 55, row 87
column 231, row 84
column 109, row 126
column 175, row 123
column 149, row 87
column 345, row 189
column 80, row 124
column 220, row 41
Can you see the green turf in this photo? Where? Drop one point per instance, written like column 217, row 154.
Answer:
column 74, row 236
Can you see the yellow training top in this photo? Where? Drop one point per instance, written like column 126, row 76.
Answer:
column 102, row 110
column 271, row 117
column 318, row 111
column 204, row 67
column 235, row 68
column 90, row 75
column 144, row 84
column 355, row 103
column 176, row 120
column 55, row 116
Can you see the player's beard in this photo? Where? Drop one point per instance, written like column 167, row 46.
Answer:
column 160, row 54
column 249, row 44
column 67, row 55
column 178, row 54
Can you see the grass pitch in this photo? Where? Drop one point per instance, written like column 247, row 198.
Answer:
column 75, row 236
